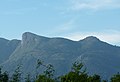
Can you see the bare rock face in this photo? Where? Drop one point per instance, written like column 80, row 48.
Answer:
column 29, row 38
column 32, row 39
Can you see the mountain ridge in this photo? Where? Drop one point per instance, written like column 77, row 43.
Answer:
column 99, row 57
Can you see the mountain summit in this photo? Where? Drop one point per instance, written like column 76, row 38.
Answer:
column 97, row 56
column 91, row 38
column 28, row 36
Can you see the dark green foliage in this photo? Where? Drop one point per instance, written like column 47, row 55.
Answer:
column 115, row 78
column 49, row 72
column 43, row 78
column 77, row 67
column 39, row 63
column 94, row 78
column 74, row 77
column 104, row 81
column 3, row 76
column 77, row 74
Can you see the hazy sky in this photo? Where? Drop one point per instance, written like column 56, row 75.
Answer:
column 74, row 19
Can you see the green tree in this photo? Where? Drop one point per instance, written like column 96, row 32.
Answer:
column 4, row 77
column 49, row 72
column 94, row 78
column 47, row 76
column 43, row 78
column 39, row 63
column 115, row 78
column 76, row 75
column 105, row 81
column 77, row 67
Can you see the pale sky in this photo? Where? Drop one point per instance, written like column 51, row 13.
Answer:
column 73, row 19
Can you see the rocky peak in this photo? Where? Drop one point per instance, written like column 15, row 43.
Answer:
column 30, row 38
column 27, row 35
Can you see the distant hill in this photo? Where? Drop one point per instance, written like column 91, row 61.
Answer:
column 97, row 56
column 7, row 47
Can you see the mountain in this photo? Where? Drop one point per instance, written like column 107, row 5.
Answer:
column 97, row 56
column 7, row 47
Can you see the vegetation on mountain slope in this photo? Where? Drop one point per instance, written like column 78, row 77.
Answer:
column 77, row 74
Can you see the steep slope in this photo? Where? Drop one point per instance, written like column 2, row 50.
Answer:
column 6, row 48
column 97, row 56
